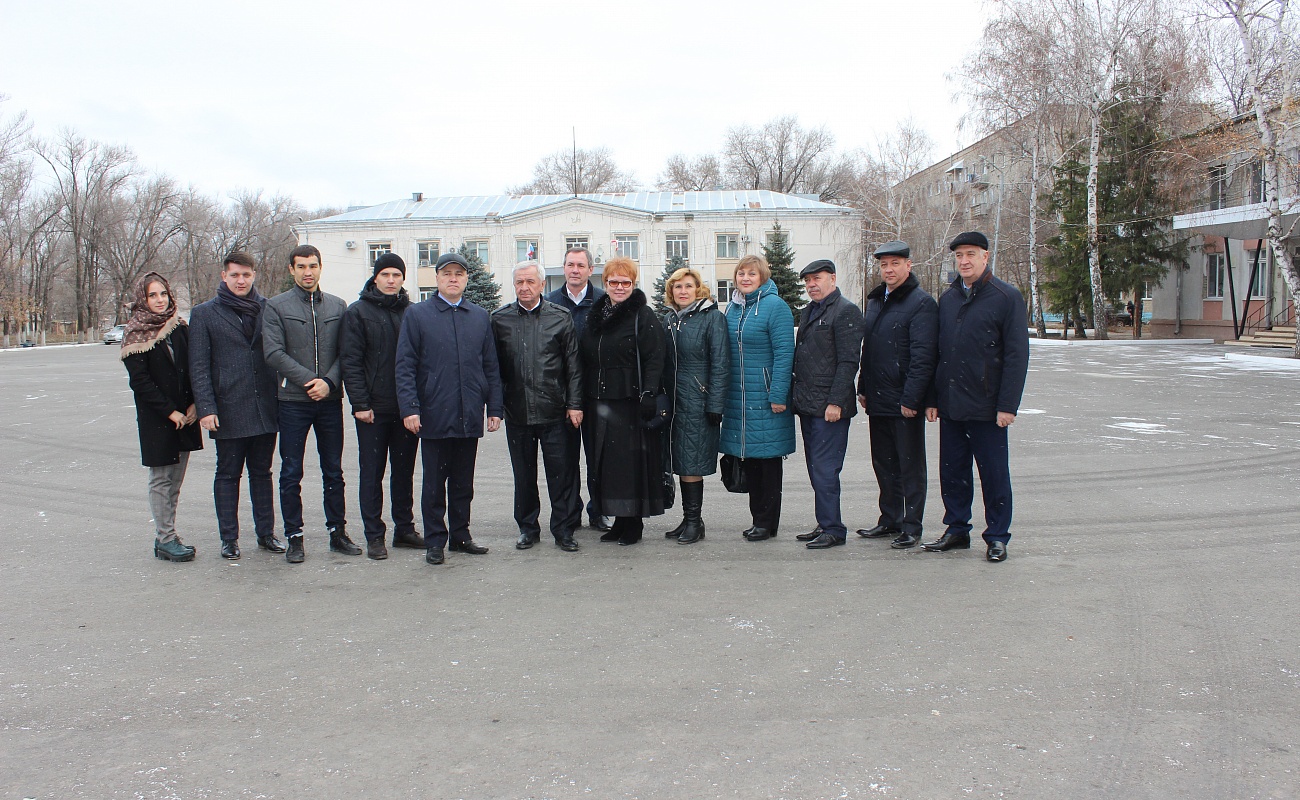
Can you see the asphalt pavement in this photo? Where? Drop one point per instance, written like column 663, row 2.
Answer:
column 1140, row 642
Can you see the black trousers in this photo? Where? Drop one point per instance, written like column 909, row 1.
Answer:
column 561, row 467
column 764, row 478
column 898, row 459
column 381, row 443
column 581, row 441
column 448, row 489
column 233, row 455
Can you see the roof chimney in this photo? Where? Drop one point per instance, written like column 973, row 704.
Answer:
column 417, row 197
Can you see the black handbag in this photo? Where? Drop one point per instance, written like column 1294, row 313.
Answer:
column 733, row 474
column 663, row 405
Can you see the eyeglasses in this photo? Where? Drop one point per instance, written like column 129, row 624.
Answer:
column 619, row 284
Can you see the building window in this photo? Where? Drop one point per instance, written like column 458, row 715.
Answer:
column 478, row 247
column 377, row 249
column 571, row 242
column 426, row 293
column 774, row 236
column 525, row 250
column 1214, row 276
column 723, row 292
column 676, row 244
column 1218, row 187
column 728, row 245
column 628, row 247
column 1259, row 287
column 1258, row 186
column 426, row 253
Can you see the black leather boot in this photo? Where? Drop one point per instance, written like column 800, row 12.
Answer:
column 692, row 503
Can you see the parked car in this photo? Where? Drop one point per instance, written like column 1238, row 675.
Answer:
column 114, row 334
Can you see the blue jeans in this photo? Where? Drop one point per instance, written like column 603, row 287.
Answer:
column 296, row 419
column 986, row 443
column 824, row 445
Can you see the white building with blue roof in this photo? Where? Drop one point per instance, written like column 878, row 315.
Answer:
column 711, row 230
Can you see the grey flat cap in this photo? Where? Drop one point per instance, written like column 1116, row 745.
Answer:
column 820, row 265
column 895, row 248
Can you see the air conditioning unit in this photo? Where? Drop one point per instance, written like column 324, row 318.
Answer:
column 349, row 244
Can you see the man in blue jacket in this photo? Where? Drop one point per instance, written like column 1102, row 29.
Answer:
column 577, row 296
column 446, row 374
column 983, row 362
column 895, row 387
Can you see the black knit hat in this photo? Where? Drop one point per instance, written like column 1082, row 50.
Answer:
column 970, row 237
column 390, row 261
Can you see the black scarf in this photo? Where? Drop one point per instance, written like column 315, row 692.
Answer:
column 249, row 308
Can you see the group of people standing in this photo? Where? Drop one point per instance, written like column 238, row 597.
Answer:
column 585, row 372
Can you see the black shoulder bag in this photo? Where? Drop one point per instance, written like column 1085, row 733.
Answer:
column 663, row 406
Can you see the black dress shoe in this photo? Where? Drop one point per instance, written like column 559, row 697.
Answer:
column 525, row 542
column 434, row 556
column 810, row 535
column 375, row 549
column 824, row 542
column 567, row 544
column 408, row 539
column 878, row 532
column 468, row 546
column 949, row 541
column 270, row 543
column 997, row 551
column 906, row 540
column 295, row 554
column 230, row 550
column 757, row 534
column 611, row 536
column 340, row 543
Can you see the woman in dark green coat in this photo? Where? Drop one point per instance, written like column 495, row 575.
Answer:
column 696, row 370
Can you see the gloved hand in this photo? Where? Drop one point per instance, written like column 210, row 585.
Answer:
column 713, row 417
column 648, row 407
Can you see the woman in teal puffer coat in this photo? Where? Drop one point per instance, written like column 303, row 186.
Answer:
column 695, row 375
column 757, row 424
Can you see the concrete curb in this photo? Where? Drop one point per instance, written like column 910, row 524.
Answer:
column 1280, row 362
column 1036, row 340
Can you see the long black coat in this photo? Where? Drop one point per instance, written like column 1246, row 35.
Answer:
column 627, row 460
column 160, row 381
column 983, row 350
column 827, row 349
column 368, row 349
column 697, row 371
column 230, row 375
column 899, row 350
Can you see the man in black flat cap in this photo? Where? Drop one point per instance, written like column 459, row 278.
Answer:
column 983, row 362
column 896, row 384
column 826, row 351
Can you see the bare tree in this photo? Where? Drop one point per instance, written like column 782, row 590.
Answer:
column 15, row 188
column 782, row 156
column 1270, row 53
column 578, row 172
column 684, row 174
column 145, row 220
column 86, row 174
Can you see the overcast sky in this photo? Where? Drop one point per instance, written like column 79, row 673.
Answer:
column 362, row 102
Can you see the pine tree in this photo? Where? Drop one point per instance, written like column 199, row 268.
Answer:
column 661, row 283
column 481, row 289
column 779, row 257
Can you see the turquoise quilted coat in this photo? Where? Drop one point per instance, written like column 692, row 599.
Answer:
column 761, row 330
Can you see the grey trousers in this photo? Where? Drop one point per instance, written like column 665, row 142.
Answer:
column 164, row 491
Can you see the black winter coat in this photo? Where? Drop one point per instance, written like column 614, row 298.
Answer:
column 230, row 375
column 160, row 381
column 368, row 349
column 899, row 350
column 697, row 371
column 561, row 298
column 983, row 350
column 609, row 350
column 447, row 369
column 537, row 351
column 827, row 349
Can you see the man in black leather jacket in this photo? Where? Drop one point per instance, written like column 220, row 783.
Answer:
column 537, row 349
column 367, row 353
column 826, row 353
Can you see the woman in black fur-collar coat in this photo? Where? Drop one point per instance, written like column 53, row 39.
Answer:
column 627, row 459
